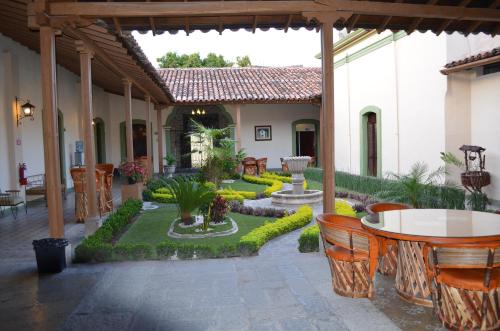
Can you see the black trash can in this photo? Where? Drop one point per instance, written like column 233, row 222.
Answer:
column 50, row 254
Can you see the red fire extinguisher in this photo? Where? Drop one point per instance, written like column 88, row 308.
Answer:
column 22, row 177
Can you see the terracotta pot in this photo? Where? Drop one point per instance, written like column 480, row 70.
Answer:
column 132, row 191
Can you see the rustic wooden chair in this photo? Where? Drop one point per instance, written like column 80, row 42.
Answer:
column 466, row 280
column 107, row 200
column 249, row 166
column 81, row 200
column 352, row 256
column 388, row 247
column 262, row 165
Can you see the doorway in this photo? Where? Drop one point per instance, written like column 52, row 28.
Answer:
column 139, row 139
column 99, row 140
column 370, row 140
column 306, row 139
column 371, row 143
column 189, row 145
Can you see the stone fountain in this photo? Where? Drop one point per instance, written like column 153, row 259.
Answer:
column 297, row 196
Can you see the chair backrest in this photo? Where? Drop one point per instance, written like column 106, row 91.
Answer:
column 249, row 160
column 385, row 206
column 106, row 167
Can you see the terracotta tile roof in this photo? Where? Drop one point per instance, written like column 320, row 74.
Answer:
column 474, row 58
column 253, row 84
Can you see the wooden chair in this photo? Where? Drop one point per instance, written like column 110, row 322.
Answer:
column 11, row 199
column 353, row 256
column 107, row 200
column 284, row 166
column 262, row 165
column 466, row 280
column 249, row 166
column 35, row 186
column 81, row 200
column 388, row 247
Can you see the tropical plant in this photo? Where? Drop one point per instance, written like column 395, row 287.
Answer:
column 170, row 159
column 133, row 171
column 189, row 195
column 218, row 209
column 413, row 188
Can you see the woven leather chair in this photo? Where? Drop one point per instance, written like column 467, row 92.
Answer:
column 388, row 247
column 81, row 199
column 249, row 166
column 284, row 166
column 262, row 165
column 107, row 199
column 352, row 256
column 466, row 280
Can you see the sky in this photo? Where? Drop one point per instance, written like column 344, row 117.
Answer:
column 265, row 48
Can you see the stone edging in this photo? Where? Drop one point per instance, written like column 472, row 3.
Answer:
column 175, row 235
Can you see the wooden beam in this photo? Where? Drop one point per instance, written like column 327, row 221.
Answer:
column 152, row 23
column 386, row 21
column 272, row 7
column 159, row 128
column 149, row 137
column 416, row 22
column 104, row 58
column 129, row 139
column 254, row 26
column 474, row 25
column 353, row 22
column 288, row 22
column 50, row 131
column 328, row 116
column 88, row 130
column 446, row 24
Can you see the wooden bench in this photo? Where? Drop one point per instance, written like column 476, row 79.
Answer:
column 36, row 186
column 11, row 199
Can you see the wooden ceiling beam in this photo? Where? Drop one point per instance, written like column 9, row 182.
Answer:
column 386, row 21
column 116, row 23
column 104, row 57
column 152, row 23
column 446, row 24
column 283, row 7
column 254, row 26
column 288, row 22
column 474, row 25
column 416, row 22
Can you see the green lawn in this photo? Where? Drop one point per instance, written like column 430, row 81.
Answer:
column 315, row 185
column 152, row 226
column 241, row 185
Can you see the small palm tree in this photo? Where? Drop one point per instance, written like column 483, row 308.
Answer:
column 413, row 188
column 189, row 196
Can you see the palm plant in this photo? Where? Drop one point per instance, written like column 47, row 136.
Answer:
column 413, row 188
column 189, row 195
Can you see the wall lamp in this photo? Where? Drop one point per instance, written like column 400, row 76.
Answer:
column 23, row 111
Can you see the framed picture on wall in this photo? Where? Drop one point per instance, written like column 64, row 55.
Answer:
column 263, row 132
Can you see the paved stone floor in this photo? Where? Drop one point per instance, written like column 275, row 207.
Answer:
column 281, row 289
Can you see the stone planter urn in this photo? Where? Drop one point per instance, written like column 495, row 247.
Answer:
column 132, row 191
column 169, row 170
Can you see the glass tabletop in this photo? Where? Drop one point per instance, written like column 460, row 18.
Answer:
column 435, row 223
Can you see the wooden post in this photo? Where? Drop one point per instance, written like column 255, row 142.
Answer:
column 238, row 127
column 127, row 95
column 50, row 132
column 328, row 116
column 321, row 163
column 149, row 148
column 160, row 141
column 88, row 134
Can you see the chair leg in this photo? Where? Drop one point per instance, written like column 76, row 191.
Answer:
column 13, row 210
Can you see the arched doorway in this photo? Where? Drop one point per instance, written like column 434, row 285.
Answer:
column 99, row 140
column 178, row 124
column 305, row 138
column 371, row 142
column 139, row 138
column 62, row 148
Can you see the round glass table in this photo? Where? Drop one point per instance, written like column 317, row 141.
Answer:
column 415, row 227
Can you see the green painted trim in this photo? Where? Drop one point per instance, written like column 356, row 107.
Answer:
column 62, row 146
column 99, row 130
column 168, row 144
column 123, row 140
column 363, row 148
column 370, row 48
column 316, row 136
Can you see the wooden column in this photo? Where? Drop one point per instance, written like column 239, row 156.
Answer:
column 127, row 95
column 88, row 130
column 238, row 127
column 160, row 141
column 328, row 116
column 321, row 163
column 50, row 132
column 149, row 137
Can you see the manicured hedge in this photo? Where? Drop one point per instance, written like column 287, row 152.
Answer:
column 284, row 179
column 445, row 197
column 273, row 185
column 98, row 247
column 250, row 243
column 309, row 238
column 231, row 195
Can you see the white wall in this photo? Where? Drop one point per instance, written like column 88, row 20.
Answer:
column 20, row 76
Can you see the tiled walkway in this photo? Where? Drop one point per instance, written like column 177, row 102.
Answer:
column 281, row 289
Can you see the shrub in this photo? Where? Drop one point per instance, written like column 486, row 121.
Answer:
column 162, row 197
column 250, row 243
column 165, row 249
column 246, row 194
column 309, row 237
column 238, row 207
column 218, row 209
column 273, row 184
column 185, row 251
column 204, row 251
column 97, row 247
column 133, row 251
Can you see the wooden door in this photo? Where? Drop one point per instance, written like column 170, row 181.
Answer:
column 371, row 134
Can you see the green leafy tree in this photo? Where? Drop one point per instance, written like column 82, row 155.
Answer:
column 215, row 61
column 194, row 60
column 244, row 61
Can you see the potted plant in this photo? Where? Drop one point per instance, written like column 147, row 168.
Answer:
column 169, row 169
column 135, row 175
